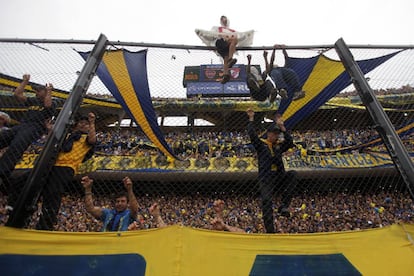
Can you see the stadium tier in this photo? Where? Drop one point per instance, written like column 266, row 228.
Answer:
column 167, row 157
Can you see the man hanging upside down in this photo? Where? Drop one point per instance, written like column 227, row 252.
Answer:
column 284, row 78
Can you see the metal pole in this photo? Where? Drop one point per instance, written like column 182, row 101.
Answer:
column 27, row 201
column 383, row 125
column 193, row 47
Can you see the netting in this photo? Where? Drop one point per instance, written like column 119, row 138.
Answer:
column 189, row 146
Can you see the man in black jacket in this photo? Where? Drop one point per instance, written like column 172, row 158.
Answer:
column 272, row 173
column 40, row 109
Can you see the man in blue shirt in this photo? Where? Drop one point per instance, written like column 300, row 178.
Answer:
column 118, row 218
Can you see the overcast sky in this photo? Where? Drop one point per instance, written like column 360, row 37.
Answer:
column 293, row 22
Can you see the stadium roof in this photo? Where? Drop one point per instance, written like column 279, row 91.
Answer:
column 222, row 111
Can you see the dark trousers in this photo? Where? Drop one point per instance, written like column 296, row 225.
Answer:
column 284, row 184
column 222, row 47
column 57, row 180
column 284, row 78
column 17, row 139
column 261, row 94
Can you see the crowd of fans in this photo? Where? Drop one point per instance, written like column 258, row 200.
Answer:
column 230, row 144
column 388, row 91
column 309, row 213
column 380, row 92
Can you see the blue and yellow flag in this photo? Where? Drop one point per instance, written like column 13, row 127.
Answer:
column 124, row 73
column 321, row 78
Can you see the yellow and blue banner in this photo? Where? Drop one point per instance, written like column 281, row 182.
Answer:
column 124, row 73
column 9, row 105
column 179, row 250
column 321, row 78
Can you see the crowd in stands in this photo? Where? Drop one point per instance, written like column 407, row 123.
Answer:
column 309, row 213
column 387, row 91
column 380, row 92
column 230, row 144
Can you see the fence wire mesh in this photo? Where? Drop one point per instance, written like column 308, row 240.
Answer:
column 345, row 178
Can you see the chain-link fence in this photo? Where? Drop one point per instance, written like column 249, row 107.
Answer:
column 160, row 115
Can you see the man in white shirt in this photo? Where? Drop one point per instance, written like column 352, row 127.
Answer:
column 225, row 40
column 226, row 46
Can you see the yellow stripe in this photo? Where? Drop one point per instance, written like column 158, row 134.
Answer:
column 324, row 72
column 117, row 68
column 354, row 106
column 339, row 100
column 62, row 95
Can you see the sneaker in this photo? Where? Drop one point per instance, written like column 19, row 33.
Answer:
column 226, row 78
column 298, row 95
column 256, row 75
column 231, row 62
column 283, row 93
column 273, row 95
column 253, row 85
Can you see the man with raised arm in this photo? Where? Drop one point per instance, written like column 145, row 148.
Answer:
column 40, row 109
column 284, row 78
column 121, row 216
column 225, row 40
column 272, row 174
column 218, row 223
column 76, row 149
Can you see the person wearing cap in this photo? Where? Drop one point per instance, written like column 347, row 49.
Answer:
column 272, row 174
column 39, row 110
column 76, row 149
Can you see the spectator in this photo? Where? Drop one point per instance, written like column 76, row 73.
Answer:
column 218, row 223
column 284, row 78
column 310, row 213
column 272, row 172
column 18, row 138
column 225, row 41
column 260, row 88
column 226, row 46
column 156, row 213
column 4, row 121
column 77, row 147
column 118, row 218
